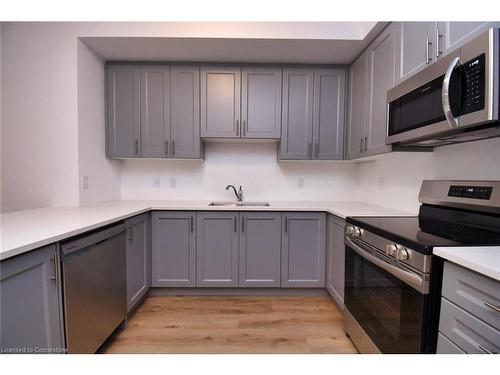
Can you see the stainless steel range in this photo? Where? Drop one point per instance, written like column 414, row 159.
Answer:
column 392, row 280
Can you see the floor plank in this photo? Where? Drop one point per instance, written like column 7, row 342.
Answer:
column 271, row 324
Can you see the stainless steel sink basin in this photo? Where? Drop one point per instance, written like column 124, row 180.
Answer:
column 238, row 204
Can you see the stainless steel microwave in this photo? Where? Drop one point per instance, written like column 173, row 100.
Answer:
column 454, row 100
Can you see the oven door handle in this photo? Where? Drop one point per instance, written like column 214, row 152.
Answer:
column 416, row 281
column 445, row 94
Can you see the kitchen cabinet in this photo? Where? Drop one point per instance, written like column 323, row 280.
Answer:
column 261, row 102
column 313, row 114
column 138, row 259
column 31, row 314
column 220, row 101
column 173, row 249
column 335, row 259
column 123, row 106
column 217, row 249
column 185, row 112
column 303, row 250
column 260, row 249
column 155, row 111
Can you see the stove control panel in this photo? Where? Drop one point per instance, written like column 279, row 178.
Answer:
column 471, row 192
column 397, row 251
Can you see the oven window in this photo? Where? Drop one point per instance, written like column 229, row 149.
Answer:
column 388, row 310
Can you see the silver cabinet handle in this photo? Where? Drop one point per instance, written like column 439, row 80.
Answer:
column 286, row 224
column 493, row 307
column 54, row 262
column 484, row 349
column 130, row 234
column 136, row 147
column 243, row 224
column 192, row 223
column 428, row 57
column 438, row 37
column 173, row 148
column 445, row 94
column 237, row 128
column 366, row 143
column 361, row 144
column 166, row 147
column 235, row 224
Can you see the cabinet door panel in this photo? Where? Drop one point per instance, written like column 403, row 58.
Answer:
column 303, row 251
column 220, row 102
column 155, row 111
column 382, row 74
column 138, row 259
column 261, row 102
column 260, row 249
column 123, row 111
column 30, row 304
column 296, row 131
column 335, row 259
column 174, row 249
column 185, row 111
column 217, row 249
column 328, row 117
column 456, row 34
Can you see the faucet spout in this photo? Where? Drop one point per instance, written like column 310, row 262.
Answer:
column 238, row 193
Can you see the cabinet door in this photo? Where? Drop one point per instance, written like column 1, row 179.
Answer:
column 381, row 78
column 297, row 114
column 453, row 35
column 185, row 111
column 415, row 42
column 220, row 102
column 155, row 111
column 335, row 259
column 303, row 251
column 328, row 114
column 30, row 300
column 261, row 102
column 217, row 249
column 123, row 111
column 138, row 259
column 357, row 106
column 260, row 249
column 173, row 249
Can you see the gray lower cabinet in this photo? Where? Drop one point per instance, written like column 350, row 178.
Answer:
column 303, row 250
column 138, row 258
column 123, row 93
column 30, row 301
column 220, row 101
column 173, row 249
column 217, row 249
column 261, row 102
column 335, row 258
column 260, row 249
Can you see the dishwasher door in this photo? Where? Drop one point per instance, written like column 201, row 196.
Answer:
column 95, row 288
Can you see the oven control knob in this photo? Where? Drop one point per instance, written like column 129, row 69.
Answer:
column 391, row 249
column 402, row 253
column 356, row 232
column 349, row 229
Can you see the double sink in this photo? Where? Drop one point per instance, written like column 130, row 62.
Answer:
column 238, row 204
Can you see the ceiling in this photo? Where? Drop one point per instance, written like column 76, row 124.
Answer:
column 321, row 43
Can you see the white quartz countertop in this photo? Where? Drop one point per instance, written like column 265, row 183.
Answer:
column 22, row 231
column 484, row 260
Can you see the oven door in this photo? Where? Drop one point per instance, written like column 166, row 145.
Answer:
column 386, row 301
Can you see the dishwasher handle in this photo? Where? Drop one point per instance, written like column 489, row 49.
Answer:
column 85, row 241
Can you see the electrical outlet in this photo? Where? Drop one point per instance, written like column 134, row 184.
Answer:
column 156, row 182
column 85, row 182
column 172, row 182
column 300, row 182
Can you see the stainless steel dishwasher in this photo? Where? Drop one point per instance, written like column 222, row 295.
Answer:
column 95, row 287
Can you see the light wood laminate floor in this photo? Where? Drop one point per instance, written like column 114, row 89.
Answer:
column 233, row 325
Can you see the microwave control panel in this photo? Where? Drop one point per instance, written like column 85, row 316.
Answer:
column 473, row 85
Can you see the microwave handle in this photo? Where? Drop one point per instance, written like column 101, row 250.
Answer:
column 445, row 94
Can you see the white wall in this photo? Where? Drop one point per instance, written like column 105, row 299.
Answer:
column 254, row 166
column 103, row 174
column 395, row 181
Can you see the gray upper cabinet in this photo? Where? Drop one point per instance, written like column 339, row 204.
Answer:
column 30, row 301
column 358, row 82
column 260, row 249
column 220, row 101
column 261, row 102
column 328, row 114
column 297, row 114
column 335, row 259
column 123, row 111
column 138, row 258
column 381, row 78
column 173, row 249
column 303, row 250
column 155, row 111
column 185, row 112
column 217, row 249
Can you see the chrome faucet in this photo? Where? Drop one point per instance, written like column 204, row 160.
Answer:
column 239, row 193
